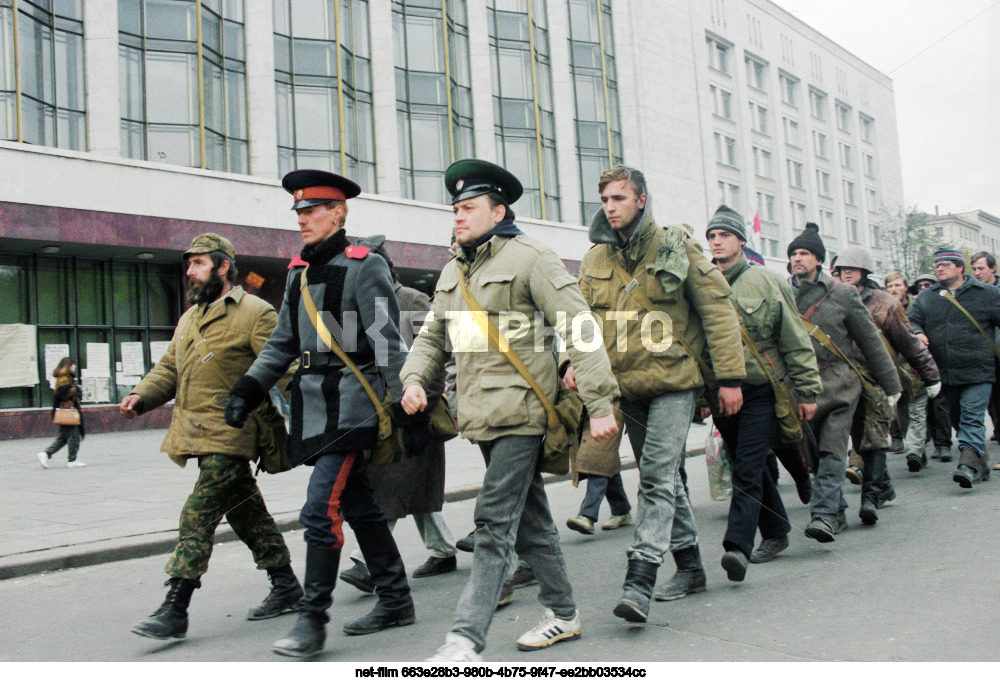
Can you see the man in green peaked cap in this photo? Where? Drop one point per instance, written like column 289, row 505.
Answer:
column 511, row 276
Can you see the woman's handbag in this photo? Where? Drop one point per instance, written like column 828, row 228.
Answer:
column 66, row 417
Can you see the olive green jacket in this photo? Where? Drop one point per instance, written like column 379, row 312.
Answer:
column 767, row 307
column 235, row 330
column 689, row 293
column 513, row 279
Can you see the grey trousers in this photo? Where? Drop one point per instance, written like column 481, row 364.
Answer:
column 512, row 514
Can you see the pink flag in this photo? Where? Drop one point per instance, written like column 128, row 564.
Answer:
column 756, row 222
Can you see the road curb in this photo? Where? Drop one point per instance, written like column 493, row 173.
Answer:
column 162, row 542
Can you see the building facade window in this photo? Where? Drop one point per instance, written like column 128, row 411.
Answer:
column 41, row 73
column 729, row 194
column 819, row 144
column 795, row 174
column 867, row 128
column 323, row 87
column 846, row 157
column 849, row 193
column 762, row 163
column 522, row 101
column 433, row 93
column 872, row 200
column 725, row 150
column 765, row 206
column 183, row 83
column 718, row 54
column 758, row 118
column 792, row 133
column 789, row 89
column 826, row 222
column 869, row 164
column 598, row 124
column 817, row 104
column 843, row 117
column 823, row 183
column 722, row 104
column 852, row 230
column 76, row 301
column 798, row 214
column 756, row 73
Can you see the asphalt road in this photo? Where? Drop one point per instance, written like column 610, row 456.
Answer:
column 918, row 586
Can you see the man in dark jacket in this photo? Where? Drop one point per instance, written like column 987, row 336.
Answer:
column 855, row 266
column 333, row 420
column 838, row 313
column 964, row 353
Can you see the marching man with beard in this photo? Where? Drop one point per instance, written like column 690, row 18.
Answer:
column 229, row 327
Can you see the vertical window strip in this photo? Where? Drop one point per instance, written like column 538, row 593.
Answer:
column 604, row 79
column 340, row 86
column 447, row 79
column 201, row 88
column 537, row 107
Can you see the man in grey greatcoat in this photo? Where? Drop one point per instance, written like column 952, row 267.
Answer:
column 837, row 310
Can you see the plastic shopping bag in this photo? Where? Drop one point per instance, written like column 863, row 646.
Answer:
column 720, row 472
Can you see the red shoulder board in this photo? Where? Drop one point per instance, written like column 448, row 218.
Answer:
column 297, row 262
column 357, row 252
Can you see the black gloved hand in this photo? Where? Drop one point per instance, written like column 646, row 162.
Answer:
column 417, row 439
column 237, row 411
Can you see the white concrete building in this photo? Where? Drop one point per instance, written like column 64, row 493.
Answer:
column 972, row 231
column 133, row 125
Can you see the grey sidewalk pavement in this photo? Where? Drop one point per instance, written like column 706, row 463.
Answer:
column 125, row 504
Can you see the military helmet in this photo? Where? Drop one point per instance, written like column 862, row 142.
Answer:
column 857, row 257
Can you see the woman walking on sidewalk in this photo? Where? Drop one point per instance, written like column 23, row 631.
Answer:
column 67, row 397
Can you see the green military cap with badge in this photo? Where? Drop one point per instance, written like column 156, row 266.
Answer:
column 315, row 187
column 471, row 177
column 210, row 242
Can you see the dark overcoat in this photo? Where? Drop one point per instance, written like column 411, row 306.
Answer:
column 414, row 485
column 330, row 411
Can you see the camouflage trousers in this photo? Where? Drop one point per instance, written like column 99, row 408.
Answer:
column 872, row 420
column 225, row 487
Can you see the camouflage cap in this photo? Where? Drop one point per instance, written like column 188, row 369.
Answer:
column 206, row 243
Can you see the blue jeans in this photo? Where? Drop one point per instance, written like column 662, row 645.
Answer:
column 599, row 488
column 756, row 501
column 512, row 513
column 657, row 428
column 967, row 405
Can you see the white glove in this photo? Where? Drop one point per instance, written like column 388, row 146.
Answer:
column 893, row 400
column 934, row 390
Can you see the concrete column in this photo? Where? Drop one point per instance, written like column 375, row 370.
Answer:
column 480, row 55
column 100, row 30
column 384, row 98
column 564, row 103
column 262, row 117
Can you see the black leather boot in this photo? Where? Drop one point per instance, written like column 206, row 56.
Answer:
column 689, row 578
column 871, row 486
column 640, row 578
column 395, row 606
column 308, row 635
column 284, row 596
column 171, row 619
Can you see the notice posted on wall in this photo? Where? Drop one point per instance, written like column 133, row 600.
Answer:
column 99, row 360
column 156, row 351
column 20, row 355
column 54, row 353
column 96, row 389
column 132, row 359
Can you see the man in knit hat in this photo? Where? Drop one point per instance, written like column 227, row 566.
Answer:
column 956, row 318
column 770, row 320
column 837, row 321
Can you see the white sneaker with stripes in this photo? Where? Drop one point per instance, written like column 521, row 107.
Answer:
column 550, row 630
column 456, row 649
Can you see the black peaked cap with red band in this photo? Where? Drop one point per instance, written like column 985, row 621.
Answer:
column 313, row 187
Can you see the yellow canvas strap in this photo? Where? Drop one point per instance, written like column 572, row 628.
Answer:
column 499, row 344
column 330, row 342
column 828, row 343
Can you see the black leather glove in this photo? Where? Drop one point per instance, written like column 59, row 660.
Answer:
column 246, row 395
column 237, row 411
column 417, row 439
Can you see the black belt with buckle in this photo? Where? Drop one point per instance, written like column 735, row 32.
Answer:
column 312, row 360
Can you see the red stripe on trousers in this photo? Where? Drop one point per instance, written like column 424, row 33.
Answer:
column 333, row 504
